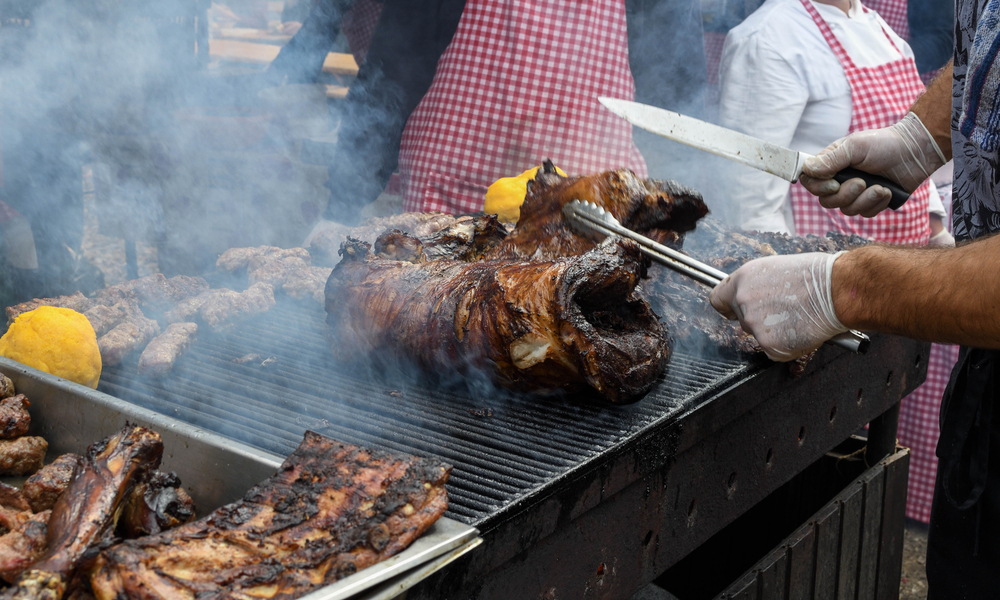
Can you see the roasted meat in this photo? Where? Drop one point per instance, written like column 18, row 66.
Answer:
column 154, row 292
column 44, row 487
column 104, row 318
column 6, row 387
column 23, row 546
column 14, row 417
column 23, row 455
column 227, row 307
column 159, row 356
column 236, row 259
column 13, row 498
column 77, row 302
column 84, row 515
column 308, row 283
column 661, row 210
column 156, row 504
column 572, row 322
column 467, row 239
column 331, row 510
column 276, row 272
column 325, row 246
column 128, row 336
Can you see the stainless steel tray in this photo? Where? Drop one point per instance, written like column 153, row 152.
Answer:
column 216, row 470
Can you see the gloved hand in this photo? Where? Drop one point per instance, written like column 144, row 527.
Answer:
column 942, row 239
column 786, row 302
column 905, row 153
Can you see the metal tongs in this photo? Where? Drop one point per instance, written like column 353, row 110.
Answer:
column 592, row 218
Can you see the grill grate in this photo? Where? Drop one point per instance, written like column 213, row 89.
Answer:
column 503, row 446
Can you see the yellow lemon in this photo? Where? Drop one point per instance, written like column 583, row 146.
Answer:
column 56, row 340
column 505, row 197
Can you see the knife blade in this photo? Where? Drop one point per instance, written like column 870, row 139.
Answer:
column 733, row 145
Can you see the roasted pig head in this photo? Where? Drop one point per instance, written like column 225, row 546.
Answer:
column 661, row 210
column 569, row 323
column 86, row 513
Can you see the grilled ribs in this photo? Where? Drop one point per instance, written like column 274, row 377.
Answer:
column 44, row 487
column 567, row 323
column 86, row 513
column 159, row 356
column 330, row 510
column 14, row 417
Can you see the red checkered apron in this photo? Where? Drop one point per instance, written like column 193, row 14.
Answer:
column 881, row 96
column 519, row 84
column 893, row 12
column 359, row 25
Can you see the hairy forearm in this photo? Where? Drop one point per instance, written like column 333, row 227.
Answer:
column 939, row 295
column 934, row 110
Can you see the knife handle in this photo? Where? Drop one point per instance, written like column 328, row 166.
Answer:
column 899, row 195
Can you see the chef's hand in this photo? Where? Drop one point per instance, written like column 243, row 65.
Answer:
column 786, row 302
column 905, row 153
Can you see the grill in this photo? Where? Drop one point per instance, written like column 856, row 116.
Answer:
column 503, row 447
column 528, row 471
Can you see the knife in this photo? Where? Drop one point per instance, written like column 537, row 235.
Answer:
column 736, row 146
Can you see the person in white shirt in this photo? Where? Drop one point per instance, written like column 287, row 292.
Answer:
column 781, row 80
column 802, row 74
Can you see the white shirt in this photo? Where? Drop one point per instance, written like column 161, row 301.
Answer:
column 780, row 81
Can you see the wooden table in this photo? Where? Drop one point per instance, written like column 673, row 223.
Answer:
column 255, row 53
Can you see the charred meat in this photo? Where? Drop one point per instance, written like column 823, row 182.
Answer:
column 13, row 498
column 14, row 417
column 128, row 336
column 331, row 510
column 44, row 487
column 573, row 322
column 156, row 504
column 23, row 455
column 660, row 210
column 326, row 245
column 84, row 515
column 6, row 387
column 159, row 356
column 22, row 546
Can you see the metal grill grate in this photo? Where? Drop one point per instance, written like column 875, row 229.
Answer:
column 503, row 446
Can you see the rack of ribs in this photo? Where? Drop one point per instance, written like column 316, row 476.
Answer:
column 330, row 510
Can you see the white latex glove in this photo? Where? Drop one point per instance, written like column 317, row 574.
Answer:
column 786, row 302
column 905, row 153
column 942, row 239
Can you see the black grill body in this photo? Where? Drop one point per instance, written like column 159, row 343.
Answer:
column 575, row 499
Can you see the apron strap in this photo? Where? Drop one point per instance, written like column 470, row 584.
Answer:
column 831, row 39
column 966, row 416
